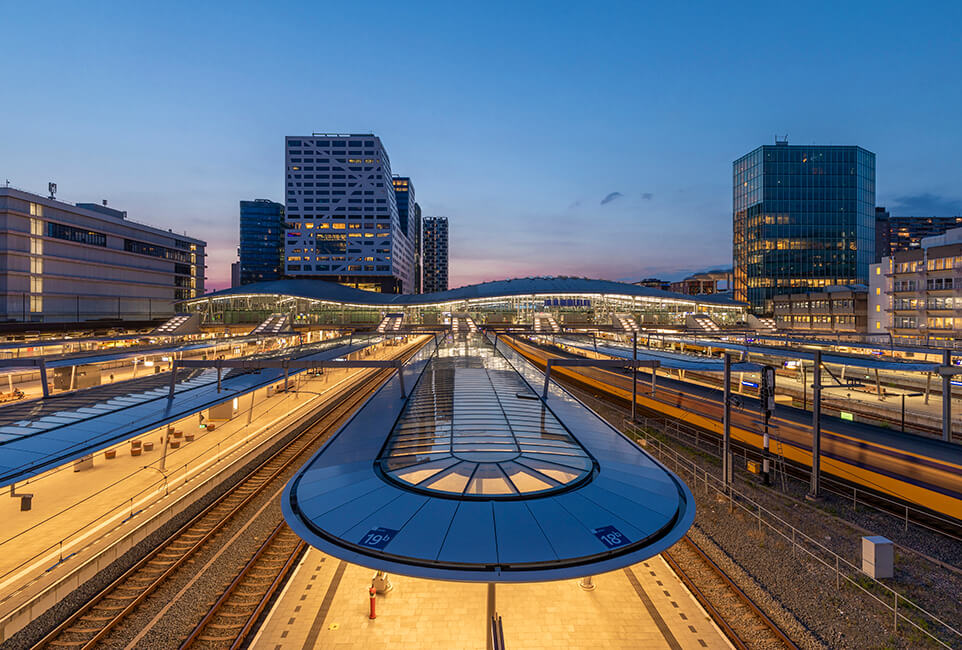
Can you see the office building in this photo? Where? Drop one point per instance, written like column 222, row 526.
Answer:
column 409, row 216
column 342, row 215
column 894, row 234
column 435, row 254
column 922, row 290
column 261, row 248
column 73, row 263
column 703, row 283
column 804, row 218
column 832, row 310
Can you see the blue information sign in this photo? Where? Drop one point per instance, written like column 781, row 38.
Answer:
column 610, row 536
column 378, row 538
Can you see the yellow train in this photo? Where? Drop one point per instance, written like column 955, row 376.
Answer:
column 920, row 471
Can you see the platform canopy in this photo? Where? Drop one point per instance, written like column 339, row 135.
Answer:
column 473, row 477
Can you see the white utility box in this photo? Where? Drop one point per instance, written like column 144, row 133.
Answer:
column 878, row 557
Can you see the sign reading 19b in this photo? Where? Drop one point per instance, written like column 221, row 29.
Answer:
column 610, row 536
column 378, row 538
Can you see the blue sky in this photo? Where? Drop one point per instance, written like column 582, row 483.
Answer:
column 515, row 120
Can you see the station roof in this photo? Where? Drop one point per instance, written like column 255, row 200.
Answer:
column 333, row 292
column 474, row 478
column 673, row 360
column 827, row 357
column 52, row 432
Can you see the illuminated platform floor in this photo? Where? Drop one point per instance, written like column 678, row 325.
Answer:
column 78, row 512
column 325, row 605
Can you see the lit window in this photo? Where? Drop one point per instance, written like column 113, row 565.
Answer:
column 878, row 291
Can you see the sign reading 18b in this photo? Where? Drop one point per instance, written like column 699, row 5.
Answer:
column 610, row 536
column 378, row 538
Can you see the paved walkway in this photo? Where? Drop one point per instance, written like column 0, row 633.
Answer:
column 326, row 605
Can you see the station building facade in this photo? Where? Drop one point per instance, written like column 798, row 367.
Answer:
column 69, row 263
column 573, row 302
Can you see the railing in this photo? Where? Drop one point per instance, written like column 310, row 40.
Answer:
column 904, row 512
column 902, row 609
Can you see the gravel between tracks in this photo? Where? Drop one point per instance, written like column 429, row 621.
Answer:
column 763, row 565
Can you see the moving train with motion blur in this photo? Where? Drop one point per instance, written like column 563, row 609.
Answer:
column 923, row 472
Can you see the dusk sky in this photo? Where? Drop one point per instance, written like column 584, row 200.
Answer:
column 579, row 139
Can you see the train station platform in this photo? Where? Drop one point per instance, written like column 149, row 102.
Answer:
column 474, row 476
column 124, row 487
column 51, row 432
column 325, row 605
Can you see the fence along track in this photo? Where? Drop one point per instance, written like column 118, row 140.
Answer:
column 108, row 609
column 743, row 618
column 232, row 617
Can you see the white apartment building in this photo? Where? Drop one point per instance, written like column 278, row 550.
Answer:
column 70, row 263
column 342, row 214
column 921, row 289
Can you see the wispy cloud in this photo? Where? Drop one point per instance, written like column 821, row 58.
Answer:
column 647, row 196
column 611, row 197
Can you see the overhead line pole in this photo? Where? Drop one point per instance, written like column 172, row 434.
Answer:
column 813, row 494
column 727, row 420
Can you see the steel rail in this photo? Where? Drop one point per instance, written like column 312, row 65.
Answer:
column 344, row 403
column 739, row 593
column 248, row 623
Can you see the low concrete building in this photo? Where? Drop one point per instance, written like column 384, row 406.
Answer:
column 72, row 263
column 839, row 309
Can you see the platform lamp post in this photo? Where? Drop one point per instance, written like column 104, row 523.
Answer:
column 904, row 395
column 813, row 493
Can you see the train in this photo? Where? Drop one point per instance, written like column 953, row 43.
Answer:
column 923, row 472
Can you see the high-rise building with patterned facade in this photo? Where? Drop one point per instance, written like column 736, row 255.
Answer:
column 435, row 254
column 261, row 248
column 342, row 214
column 804, row 218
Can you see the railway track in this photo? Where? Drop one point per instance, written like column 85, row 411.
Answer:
column 232, row 617
column 105, row 614
column 745, row 625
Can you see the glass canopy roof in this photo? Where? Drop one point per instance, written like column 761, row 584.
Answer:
column 476, row 430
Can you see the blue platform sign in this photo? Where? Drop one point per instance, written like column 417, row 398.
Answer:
column 610, row 536
column 378, row 538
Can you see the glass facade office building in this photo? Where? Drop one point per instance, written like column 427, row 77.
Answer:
column 804, row 218
column 261, row 241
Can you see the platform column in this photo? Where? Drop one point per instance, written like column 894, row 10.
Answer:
column 946, row 398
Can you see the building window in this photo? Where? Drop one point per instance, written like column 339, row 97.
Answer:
column 58, row 231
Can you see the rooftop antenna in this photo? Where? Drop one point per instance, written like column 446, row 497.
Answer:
column 52, row 188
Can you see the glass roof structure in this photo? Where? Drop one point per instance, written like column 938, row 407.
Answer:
column 480, row 432
column 473, row 477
